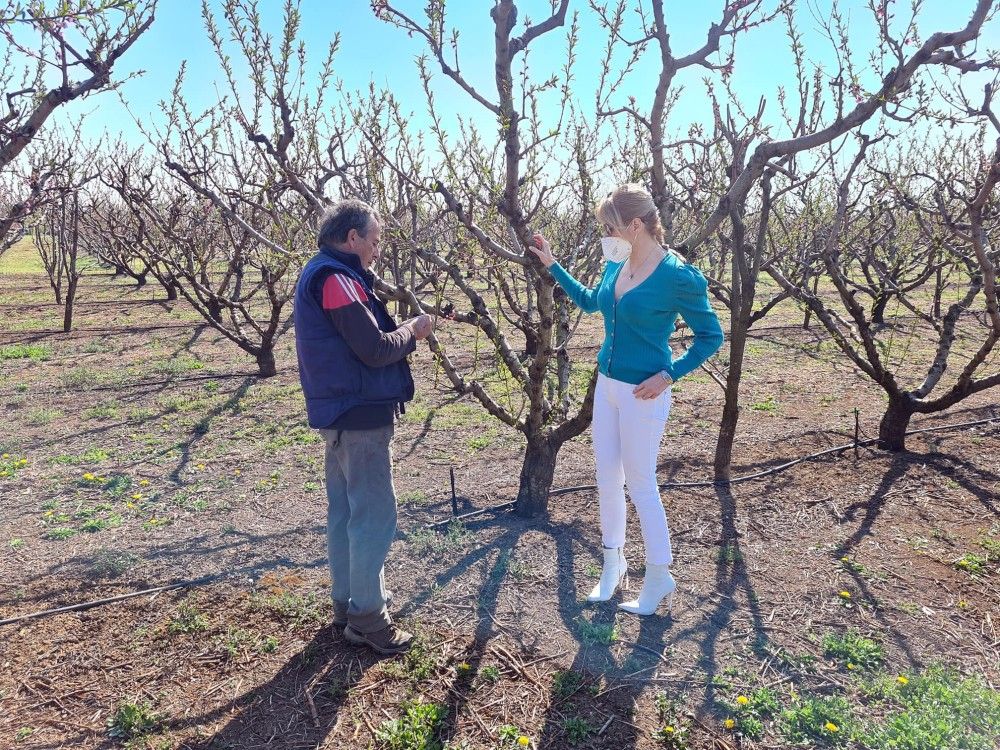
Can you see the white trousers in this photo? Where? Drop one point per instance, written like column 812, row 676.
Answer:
column 627, row 432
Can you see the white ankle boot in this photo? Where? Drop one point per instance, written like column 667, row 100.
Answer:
column 657, row 585
column 615, row 571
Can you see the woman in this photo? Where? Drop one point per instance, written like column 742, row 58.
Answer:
column 642, row 290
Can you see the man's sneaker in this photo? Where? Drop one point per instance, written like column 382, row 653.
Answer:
column 387, row 641
column 340, row 615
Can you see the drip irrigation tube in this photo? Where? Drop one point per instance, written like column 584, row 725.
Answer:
column 559, row 491
column 715, row 483
column 111, row 599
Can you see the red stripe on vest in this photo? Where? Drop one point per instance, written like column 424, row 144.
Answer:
column 340, row 290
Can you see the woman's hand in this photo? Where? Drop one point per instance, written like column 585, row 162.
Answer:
column 542, row 250
column 651, row 387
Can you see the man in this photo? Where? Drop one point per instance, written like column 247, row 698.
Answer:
column 352, row 364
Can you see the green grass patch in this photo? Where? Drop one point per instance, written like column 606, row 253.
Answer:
column 187, row 620
column 937, row 708
column 853, row 649
column 972, row 563
column 109, row 410
column 577, row 730
column 42, row 416
column 177, row 366
column 566, row 682
column 133, row 719
column 597, row 634
column 816, row 720
column 21, row 259
column 60, row 533
column 417, row 664
column 298, row 609
column 417, row 728
column 35, row 352
column 109, row 563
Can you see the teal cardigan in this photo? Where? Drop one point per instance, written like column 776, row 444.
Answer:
column 637, row 327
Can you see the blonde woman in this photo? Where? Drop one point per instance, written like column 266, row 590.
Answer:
column 643, row 289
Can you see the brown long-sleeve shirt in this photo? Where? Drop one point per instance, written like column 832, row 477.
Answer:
column 345, row 302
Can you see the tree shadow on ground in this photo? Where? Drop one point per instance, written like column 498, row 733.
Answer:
column 299, row 707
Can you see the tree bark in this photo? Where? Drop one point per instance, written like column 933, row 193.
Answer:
column 537, row 472
column 731, row 408
column 878, row 309
column 68, row 313
column 895, row 422
column 265, row 362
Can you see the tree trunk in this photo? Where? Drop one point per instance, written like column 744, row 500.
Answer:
column 536, row 477
column 265, row 362
column 805, row 322
column 214, row 310
column 70, row 298
column 937, row 295
column 171, row 292
column 878, row 309
column 731, row 408
column 895, row 422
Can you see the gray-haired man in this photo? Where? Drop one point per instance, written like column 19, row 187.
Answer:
column 354, row 373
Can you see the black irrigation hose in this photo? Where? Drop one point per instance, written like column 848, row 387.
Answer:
column 112, row 599
column 712, row 483
column 560, row 491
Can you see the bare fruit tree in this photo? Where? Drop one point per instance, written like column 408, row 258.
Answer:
column 953, row 203
column 732, row 216
column 235, row 201
column 57, row 237
column 54, row 54
column 479, row 199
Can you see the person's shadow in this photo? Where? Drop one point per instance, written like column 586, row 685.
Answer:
column 297, row 708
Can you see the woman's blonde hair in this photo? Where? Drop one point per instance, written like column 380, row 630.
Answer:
column 627, row 202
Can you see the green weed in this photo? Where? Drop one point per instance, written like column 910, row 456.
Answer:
column 35, row 352
column 818, row 720
column 133, row 719
column 852, row 648
column 416, row 729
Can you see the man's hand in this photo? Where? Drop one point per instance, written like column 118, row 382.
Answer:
column 422, row 325
column 651, row 387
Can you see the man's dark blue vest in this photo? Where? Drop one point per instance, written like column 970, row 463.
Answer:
column 333, row 378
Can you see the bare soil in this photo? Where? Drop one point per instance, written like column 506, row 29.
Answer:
column 201, row 468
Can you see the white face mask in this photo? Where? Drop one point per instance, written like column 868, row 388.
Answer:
column 615, row 249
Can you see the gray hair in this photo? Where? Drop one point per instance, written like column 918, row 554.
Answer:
column 341, row 218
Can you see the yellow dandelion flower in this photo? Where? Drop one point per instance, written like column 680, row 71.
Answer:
column 130, row 505
column 89, row 477
column 137, row 496
column 668, row 730
column 143, row 482
column 200, row 467
column 850, row 666
column 237, row 472
column 845, row 558
column 902, row 679
column 845, row 594
column 831, row 727
column 729, row 723
column 742, row 700
column 523, row 741
column 5, row 456
column 962, row 604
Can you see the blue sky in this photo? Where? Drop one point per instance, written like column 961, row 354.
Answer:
column 372, row 50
